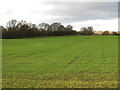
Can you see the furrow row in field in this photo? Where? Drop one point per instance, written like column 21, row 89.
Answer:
column 75, row 61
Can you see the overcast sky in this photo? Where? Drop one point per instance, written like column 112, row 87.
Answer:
column 101, row 15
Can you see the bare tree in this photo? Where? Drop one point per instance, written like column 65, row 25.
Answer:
column 11, row 24
column 44, row 26
column 55, row 26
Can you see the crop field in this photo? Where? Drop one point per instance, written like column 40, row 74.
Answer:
column 60, row 62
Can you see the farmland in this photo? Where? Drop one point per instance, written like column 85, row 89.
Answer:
column 60, row 62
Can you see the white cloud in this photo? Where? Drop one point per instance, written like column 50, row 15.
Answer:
column 99, row 25
column 37, row 11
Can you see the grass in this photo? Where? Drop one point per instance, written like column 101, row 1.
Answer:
column 60, row 62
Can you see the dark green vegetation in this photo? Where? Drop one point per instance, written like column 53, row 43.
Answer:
column 15, row 29
column 60, row 62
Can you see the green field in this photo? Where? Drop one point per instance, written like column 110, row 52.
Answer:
column 60, row 62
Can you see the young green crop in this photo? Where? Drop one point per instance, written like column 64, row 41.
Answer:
column 60, row 62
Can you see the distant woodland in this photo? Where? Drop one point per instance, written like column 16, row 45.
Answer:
column 23, row 29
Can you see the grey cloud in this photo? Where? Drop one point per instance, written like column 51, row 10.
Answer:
column 79, row 11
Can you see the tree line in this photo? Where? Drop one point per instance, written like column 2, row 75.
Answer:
column 22, row 29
